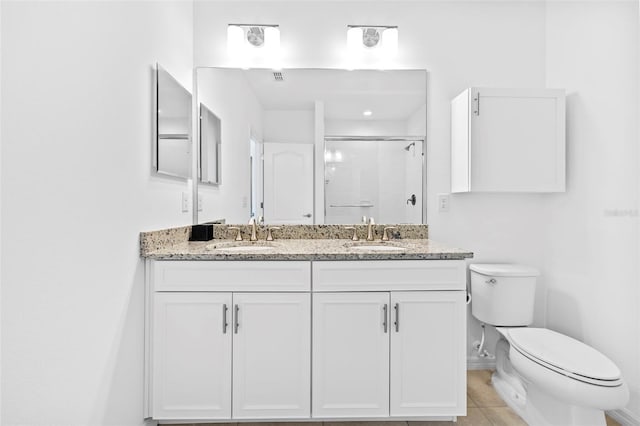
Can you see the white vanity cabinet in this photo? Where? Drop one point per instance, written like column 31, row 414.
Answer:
column 508, row 140
column 391, row 341
column 285, row 340
column 221, row 354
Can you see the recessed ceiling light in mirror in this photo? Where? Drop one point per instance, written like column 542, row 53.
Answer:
column 367, row 113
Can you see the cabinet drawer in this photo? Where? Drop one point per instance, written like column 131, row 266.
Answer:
column 231, row 276
column 389, row 275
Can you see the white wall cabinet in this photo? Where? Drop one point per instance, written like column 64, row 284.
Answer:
column 508, row 140
column 388, row 340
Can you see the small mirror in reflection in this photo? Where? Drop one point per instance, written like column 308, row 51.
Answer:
column 210, row 143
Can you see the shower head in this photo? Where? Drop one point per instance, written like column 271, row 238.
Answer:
column 408, row 147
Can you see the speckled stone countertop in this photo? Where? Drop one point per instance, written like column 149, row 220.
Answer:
column 319, row 242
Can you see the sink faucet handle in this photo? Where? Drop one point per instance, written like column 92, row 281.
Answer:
column 355, row 232
column 370, row 230
column 385, row 236
column 238, row 234
column 272, row 228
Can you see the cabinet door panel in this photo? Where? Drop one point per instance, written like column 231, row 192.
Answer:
column 428, row 364
column 272, row 356
column 517, row 141
column 350, row 355
column 191, row 366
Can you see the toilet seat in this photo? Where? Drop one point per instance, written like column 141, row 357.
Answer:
column 564, row 355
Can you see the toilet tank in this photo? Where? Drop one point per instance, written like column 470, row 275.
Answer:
column 503, row 294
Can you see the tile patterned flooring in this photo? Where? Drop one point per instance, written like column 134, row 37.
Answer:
column 484, row 408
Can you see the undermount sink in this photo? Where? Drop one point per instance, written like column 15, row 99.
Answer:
column 241, row 246
column 375, row 247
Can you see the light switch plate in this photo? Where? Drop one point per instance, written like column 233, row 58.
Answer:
column 185, row 201
column 443, row 203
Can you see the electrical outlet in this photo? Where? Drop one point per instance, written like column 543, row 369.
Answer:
column 245, row 201
column 443, row 203
column 185, row 201
column 199, row 202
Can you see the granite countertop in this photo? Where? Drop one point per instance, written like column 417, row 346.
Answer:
column 306, row 249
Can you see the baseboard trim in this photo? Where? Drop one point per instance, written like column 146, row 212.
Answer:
column 624, row 417
column 477, row 363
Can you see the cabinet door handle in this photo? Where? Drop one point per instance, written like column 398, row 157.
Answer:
column 477, row 101
column 224, row 318
column 384, row 316
column 397, row 322
column 237, row 322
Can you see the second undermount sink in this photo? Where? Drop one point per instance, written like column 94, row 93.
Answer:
column 241, row 246
column 375, row 246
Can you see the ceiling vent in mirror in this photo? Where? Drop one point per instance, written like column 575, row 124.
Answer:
column 277, row 76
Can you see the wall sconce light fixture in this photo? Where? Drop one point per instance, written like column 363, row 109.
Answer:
column 245, row 41
column 383, row 39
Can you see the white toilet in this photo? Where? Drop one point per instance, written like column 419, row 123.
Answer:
column 546, row 377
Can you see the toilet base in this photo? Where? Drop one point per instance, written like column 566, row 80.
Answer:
column 533, row 405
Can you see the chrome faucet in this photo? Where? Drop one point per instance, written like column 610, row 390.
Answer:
column 370, row 225
column 252, row 222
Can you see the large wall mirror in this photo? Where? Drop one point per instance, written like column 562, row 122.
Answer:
column 304, row 146
column 171, row 146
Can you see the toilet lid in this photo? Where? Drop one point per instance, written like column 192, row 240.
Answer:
column 504, row 270
column 565, row 355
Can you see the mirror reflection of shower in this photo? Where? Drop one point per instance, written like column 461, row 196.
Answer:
column 411, row 148
column 373, row 178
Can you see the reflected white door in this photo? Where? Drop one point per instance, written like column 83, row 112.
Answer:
column 288, row 183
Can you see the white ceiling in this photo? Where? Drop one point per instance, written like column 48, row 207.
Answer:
column 390, row 95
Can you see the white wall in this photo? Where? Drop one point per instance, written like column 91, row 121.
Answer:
column 365, row 128
column 504, row 44
column 76, row 191
column 591, row 263
column 291, row 126
column 1, row 316
column 416, row 123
